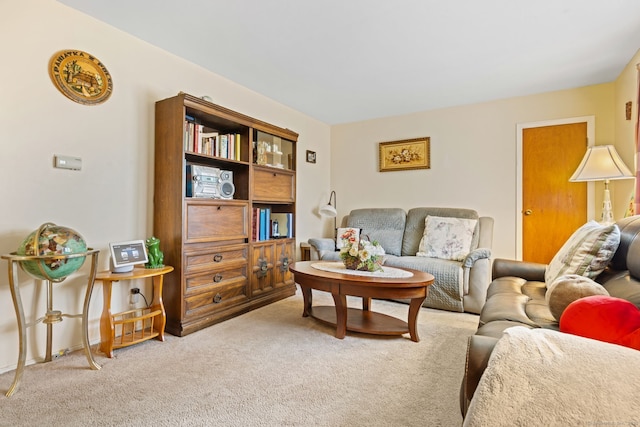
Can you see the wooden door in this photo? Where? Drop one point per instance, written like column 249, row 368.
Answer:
column 552, row 207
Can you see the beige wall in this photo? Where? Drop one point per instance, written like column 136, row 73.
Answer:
column 626, row 89
column 473, row 155
column 111, row 198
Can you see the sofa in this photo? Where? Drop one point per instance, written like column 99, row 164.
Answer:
column 460, row 284
column 517, row 297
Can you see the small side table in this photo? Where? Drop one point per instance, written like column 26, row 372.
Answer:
column 133, row 326
column 305, row 252
column 52, row 316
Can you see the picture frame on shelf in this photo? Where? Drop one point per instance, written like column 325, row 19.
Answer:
column 311, row 156
column 406, row 154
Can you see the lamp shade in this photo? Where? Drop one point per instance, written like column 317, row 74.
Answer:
column 600, row 163
column 328, row 210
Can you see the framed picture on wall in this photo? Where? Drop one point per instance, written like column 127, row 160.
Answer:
column 405, row 154
column 311, row 156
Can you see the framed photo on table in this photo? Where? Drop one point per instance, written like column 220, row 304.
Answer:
column 405, row 154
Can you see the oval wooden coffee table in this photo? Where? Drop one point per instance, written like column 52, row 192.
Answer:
column 367, row 286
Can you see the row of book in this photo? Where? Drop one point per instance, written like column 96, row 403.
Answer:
column 267, row 225
column 198, row 140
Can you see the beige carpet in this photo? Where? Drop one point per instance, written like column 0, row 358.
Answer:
column 269, row 367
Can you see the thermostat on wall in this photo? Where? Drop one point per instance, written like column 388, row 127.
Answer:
column 68, row 162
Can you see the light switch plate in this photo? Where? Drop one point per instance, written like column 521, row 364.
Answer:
column 68, row 162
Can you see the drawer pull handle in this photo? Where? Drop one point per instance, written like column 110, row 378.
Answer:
column 217, row 278
column 217, row 298
column 219, row 207
column 217, row 258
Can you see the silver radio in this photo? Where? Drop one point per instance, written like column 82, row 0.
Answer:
column 208, row 182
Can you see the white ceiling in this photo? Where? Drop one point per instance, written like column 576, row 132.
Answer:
column 348, row 60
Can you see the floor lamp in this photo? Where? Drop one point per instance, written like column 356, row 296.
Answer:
column 602, row 163
column 331, row 211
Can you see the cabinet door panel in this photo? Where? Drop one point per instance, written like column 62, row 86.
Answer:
column 273, row 185
column 215, row 221
column 285, row 254
column 261, row 270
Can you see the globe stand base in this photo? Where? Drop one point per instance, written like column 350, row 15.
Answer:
column 53, row 316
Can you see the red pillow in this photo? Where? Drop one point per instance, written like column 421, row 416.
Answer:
column 603, row 318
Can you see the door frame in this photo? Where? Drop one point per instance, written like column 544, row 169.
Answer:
column 520, row 127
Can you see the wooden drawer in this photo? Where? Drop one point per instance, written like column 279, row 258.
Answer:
column 215, row 299
column 273, row 185
column 213, row 258
column 207, row 220
column 218, row 277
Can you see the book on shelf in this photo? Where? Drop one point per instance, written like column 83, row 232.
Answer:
column 223, row 146
column 208, row 141
column 267, row 225
column 255, row 224
column 263, row 225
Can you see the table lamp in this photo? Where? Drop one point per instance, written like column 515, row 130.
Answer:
column 602, row 163
column 330, row 210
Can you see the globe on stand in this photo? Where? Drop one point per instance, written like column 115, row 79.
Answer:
column 56, row 245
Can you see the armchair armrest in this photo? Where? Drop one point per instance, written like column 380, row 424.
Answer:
column 527, row 270
column 322, row 245
column 475, row 255
column 476, row 278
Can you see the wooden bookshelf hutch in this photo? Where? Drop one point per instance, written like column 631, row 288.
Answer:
column 221, row 270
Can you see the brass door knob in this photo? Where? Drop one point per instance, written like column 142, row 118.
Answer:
column 528, row 212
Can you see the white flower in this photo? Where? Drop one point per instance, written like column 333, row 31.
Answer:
column 353, row 251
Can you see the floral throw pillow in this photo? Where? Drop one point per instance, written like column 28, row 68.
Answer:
column 586, row 253
column 447, row 238
column 347, row 235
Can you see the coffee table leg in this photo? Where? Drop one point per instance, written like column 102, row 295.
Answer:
column 414, row 309
column 366, row 304
column 341, row 315
column 307, row 297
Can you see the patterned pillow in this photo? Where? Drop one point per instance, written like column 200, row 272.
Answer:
column 586, row 253
column 345, row 235
column 446, row 238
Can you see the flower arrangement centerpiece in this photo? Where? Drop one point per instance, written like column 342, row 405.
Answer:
column 361, row 254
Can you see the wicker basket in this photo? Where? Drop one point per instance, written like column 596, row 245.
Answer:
column 352, row 264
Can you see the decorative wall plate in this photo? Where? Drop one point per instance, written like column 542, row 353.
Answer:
column 80, row 77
